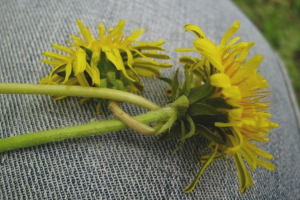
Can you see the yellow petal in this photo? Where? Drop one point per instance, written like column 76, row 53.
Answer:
column 68, row 71
column 54, row 73
column 94, row 73
column 101, row 31
column 114, row 56
column 249, row 157
column 244, row 54
column 130, row 61
column 82, row 80
column 148, row 59
column 249, row 121
column 117, row 31
column 57, row 56
column 131, row 38
column 245, row 179
column 147, row 47
column 245, row 71
column 274, row 125
column 254, row 62
column 266, row 165
column 232, row 92
column 110, row 56
column 184, row 49
column 237, row 142
column 117, row 54
column 80, row 61
column 195, row 29
column 84, row 31
column 147, row 71
column 78, row 41
column 231, row 31
column 142, row 63
column 44, row 80
column 156, row 43
column 129, row 57
column 95, row 58
column 54, row 63
column 257, row 150
column 209, row 51
column 220, row 80
column 156, row 55
column 71, row 81
column 65, row 49
column 235, row 113
column 234, row 40
column 230, row 124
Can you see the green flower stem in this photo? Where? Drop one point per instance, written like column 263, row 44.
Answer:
column 134, row 124
column 79, row 91
column 96, row 128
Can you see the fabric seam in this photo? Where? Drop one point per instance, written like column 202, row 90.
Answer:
column 290, row 90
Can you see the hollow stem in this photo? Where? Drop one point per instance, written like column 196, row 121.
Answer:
column 79, row 91
column 96, row 128
column 134, row 124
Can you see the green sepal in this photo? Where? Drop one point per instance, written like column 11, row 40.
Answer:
column 188, row 82
column 139, row 86
column 222, row 133
column 167, row 125
column 182, row 135
column 103, row 83
column 98, row 107
column 126, row 81
column 201, row 92
column 210, row 120
column 174, row 131
column 217, row 102
column 167, row 80
column 191, row 127
column 202, row 109
column 187, row 59
column 111, row 77
column 118, row 84
column 175, row 86
column 208, row 134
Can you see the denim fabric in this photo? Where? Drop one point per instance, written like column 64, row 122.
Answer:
column 124, row 164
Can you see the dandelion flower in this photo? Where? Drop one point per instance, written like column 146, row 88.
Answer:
column 238, row 82
column 111, row 60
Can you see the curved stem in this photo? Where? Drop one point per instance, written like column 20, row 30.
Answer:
column 79, row 91
column 43, row 137
column 129, row 120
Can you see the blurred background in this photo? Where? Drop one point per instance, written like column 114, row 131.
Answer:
column 279, row 21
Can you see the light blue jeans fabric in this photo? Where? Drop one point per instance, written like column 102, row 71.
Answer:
column 124, row 164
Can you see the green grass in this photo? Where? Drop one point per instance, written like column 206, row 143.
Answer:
column 279, row 21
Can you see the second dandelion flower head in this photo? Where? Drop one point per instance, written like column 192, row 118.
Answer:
column 111, row 60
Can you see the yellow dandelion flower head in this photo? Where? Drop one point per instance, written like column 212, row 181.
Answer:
column 111, row 60
column 239, row 92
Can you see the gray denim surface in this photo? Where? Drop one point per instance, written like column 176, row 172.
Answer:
column 123, row 164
